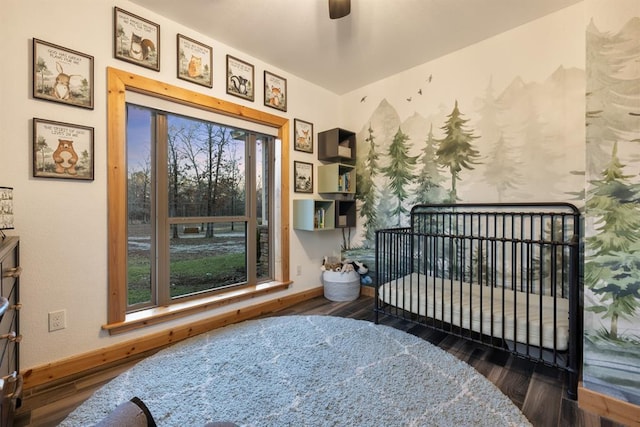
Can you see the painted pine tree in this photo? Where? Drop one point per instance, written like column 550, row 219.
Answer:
column 385, row 212
column 456, row 151
column 610, row 97
column 429, row 188
column 503, row 174
column 612, row 268
column 366, row 190
column 399, row 171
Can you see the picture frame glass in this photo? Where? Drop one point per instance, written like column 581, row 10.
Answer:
column 62, row 75
column 62, row 150
column 303, row 177
column 136, row 40
column 240, row 78
column 275, row 91
column 303, row 136
column 195, row 61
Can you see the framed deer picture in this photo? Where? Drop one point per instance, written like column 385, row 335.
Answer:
column 62, row 75
column 303, row 136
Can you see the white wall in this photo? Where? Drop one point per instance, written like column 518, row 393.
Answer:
column 534, row 74
column 63, row 223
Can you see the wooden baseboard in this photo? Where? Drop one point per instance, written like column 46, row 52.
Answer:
column 55, row 371
column 368, row 291
column 608, row 407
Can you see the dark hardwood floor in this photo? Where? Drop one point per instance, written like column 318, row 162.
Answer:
column 537, row 390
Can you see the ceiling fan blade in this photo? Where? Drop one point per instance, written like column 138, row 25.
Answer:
column 339, row 8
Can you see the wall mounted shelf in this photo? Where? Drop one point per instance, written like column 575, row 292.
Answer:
column 337, row 145
column 313, row 214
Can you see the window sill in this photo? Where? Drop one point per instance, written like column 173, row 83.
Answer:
column 153, row 316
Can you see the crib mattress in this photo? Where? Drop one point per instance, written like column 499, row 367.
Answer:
column 502, row 313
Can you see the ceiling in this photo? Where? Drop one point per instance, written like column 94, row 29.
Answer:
column 378, row 39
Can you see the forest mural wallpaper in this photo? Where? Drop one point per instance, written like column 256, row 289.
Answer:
column 612, row 244
column 549, row 111
column 499, row 121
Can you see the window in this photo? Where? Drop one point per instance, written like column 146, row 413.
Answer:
column 163, row 197
column 197, row 207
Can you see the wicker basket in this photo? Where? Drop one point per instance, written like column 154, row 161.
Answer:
column 340, row 286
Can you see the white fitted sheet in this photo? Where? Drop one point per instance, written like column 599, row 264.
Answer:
column 461, row 304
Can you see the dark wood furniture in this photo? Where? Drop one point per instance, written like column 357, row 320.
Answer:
column 10, row 378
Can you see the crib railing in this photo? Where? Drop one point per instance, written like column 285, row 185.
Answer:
column 525, row 252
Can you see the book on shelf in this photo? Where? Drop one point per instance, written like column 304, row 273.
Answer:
column 344, row 182
column 319, row 219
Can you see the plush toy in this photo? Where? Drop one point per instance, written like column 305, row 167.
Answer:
column 347, row 266
column 363, row 271
column 330, row 265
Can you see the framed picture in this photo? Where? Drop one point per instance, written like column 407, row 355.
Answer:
column 6, row 208
column 275, row 91
column 136, row 40
column 62, row 150
column 240, row 78
column 302, row 177
column 62, row 75
column 303, row 136
column 195, row 61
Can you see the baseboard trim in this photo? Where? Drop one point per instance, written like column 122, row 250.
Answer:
column 108, row 356
column 368, row 291
column 606, row 406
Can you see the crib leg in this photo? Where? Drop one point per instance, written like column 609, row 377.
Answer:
column 572, row 391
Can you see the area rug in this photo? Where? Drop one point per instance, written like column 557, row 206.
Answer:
column 306, row 371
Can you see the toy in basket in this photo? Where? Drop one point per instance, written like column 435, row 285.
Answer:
column 342, row 279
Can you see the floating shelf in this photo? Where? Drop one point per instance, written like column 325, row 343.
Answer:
column 313, row 215
column 337, row 145
column 345, row 213
column 337, row 178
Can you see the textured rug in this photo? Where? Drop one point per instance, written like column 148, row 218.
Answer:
column 306, row 371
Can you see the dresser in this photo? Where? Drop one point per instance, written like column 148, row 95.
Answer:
column 10, row 379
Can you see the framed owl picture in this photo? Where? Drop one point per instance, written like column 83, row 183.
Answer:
column 195, row 61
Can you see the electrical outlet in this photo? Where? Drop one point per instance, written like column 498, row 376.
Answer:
column 298, row 270
column 57, row 320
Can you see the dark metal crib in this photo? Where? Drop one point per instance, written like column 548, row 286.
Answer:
column 504, row 275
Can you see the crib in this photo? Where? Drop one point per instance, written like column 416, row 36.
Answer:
column 504, row 275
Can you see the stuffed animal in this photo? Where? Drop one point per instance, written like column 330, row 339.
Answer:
column 363, row 271
column 347, row 266
column 330, row 265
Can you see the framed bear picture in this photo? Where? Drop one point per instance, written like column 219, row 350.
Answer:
column 62, row 150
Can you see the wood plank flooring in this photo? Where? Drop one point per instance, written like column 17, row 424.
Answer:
column 537, row 390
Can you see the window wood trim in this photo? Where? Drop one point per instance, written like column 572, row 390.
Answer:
column 118, row 83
